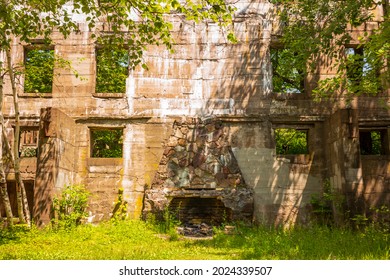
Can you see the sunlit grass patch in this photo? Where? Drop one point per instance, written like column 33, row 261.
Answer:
column 137, row 240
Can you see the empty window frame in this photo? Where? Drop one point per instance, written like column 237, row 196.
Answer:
column 373, row 141
column 112, row 70
column 28, row 142
column 286, row 75
column 290, row 141
column 106, row 142
column 39, row 68
column 362, row 71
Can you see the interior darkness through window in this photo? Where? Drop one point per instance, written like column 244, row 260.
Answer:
column 372, row 142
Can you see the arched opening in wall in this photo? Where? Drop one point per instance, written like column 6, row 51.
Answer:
column 196, row 210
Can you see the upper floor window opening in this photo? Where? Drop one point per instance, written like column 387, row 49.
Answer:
column 362, row 71
column 112, row 70
column 39, row 69
column 287, row 77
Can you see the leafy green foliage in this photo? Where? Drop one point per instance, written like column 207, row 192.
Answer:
column 107, row 143
column 112, row 68
column 70, row 207
column 362, row 73
column 376, row 137
column 290, row 141
column 286, row 77
column 148, row 24
column 39, row 67
column 319, row 31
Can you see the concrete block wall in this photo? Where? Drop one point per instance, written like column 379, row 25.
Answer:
column 205, row 77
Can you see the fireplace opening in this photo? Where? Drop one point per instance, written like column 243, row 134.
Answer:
column 196, row 211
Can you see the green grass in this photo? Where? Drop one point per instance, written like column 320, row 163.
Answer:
column 137, row 240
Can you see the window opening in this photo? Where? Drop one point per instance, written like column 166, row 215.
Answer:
column 372, row 142
column 291, row 141
column 28, row 142
column 362, row 73
column 107, row 143
column 39, row 67
column 112, row 69
column 286, row 75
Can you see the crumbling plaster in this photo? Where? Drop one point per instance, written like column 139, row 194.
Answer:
column 205, row 77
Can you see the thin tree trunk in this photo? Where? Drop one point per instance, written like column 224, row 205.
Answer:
column 23, row 211
column 5, row 197
column 3, row 181
column 3, row 184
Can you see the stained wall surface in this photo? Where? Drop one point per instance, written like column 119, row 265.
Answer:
column 206, row 77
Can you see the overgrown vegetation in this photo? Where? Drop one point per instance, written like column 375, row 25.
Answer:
column 286, row 77
column 318, row 32
column 291, row 141
column 112, row 68
column 328, row 209
column 157, row 239
column 39, row 67
column 107, row 143
column 70, row 207
column 137, row 240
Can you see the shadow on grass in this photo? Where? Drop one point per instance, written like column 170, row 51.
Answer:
column 315, row 243
column 13, row 234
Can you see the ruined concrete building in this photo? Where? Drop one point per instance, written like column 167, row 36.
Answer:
column 197, row 132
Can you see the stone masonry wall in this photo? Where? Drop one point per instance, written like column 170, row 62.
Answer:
column 198, row 162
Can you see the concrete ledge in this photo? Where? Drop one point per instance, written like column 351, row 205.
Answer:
column 36, row 94
column 108, row 95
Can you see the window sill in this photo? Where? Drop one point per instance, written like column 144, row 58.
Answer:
column 296, row 159
column 36, row 94
column 105, row 161
column 108, row 94
column 289, row 96
column 105, row 165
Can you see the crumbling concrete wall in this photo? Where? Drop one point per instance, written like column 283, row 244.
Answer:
column 56, row 165
column 205, row 77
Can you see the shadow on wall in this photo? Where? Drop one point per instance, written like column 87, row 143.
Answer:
column 373, row 191
column 55, row 160
column 282, row 186
column 46, row 163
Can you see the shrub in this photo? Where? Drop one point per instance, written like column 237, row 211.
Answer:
column 70, row 207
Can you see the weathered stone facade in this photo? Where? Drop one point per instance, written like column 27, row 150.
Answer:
column 198, row 162
column 199, row 124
